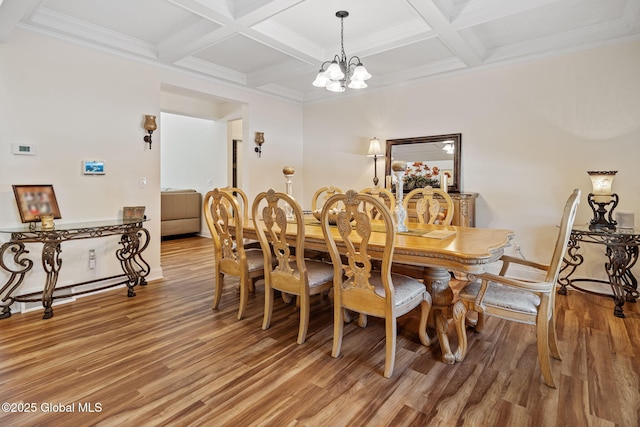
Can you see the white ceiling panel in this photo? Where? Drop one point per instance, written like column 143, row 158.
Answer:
column 277, row 46
column 242, row 54
column 545, row 21
column 148, row 20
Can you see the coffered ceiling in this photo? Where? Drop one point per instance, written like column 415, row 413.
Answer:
column 277, row 46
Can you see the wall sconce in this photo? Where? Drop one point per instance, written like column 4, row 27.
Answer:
column 375, row 150
column 602, row 196
column 150, row 126
column 259, row 141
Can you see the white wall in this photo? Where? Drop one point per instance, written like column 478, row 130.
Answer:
column 74, row 104
column 529, row 134
column 193, row 154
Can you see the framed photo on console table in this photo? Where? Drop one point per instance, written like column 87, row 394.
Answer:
column 133, row 213
column 36, row 200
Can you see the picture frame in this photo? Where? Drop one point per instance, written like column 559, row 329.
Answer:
column 133, row 213
column 93, row 167
column 36, row 200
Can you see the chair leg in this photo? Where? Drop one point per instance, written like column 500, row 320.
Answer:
column 304, row 318
column 390, row 356
column 362, row 320
column 244, row 295
column 338, row 327
column 553, row 341
column 217, row 292
column 268, row 306
column 542, row 336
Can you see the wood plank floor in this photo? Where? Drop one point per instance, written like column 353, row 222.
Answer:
column 165, row 358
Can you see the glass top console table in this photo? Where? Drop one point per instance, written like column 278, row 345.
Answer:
column 134, row 239
column 622, row 253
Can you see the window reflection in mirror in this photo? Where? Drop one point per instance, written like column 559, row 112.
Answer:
column 428, row 158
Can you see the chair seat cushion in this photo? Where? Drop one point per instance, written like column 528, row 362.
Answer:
column 255, row 259
column 318, row 272
column 406, row 288
column 502, row 296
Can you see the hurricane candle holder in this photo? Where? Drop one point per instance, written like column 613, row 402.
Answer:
column 288, row 172
column 398, row 168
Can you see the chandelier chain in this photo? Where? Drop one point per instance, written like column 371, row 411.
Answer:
column 344, row 56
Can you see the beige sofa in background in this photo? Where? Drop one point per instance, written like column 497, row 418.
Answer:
column 180, row 212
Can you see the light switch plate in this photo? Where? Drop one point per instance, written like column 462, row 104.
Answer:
column 23, row 149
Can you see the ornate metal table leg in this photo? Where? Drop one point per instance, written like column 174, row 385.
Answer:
column 51, row 263
column 631, row 284
column 131, row 261
column 143, row 266
column 571, row 261
column 623, row 283
column 16, row 274
column 437, row 282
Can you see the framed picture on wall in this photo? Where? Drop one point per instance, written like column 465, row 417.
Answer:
column 36, row 200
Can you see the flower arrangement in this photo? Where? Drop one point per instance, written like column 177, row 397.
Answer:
column 419, row 175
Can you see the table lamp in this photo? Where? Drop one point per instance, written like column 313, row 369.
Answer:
column 601, row 197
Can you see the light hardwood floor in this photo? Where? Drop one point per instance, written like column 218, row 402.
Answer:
column 165, row 358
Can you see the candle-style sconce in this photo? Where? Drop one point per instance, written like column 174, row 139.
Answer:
column 602, row 196
column 259, row 141
column 150, row 126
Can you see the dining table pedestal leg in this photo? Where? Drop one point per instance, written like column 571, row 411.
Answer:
column 443, row 309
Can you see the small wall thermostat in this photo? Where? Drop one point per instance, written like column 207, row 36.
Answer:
column 24, row 149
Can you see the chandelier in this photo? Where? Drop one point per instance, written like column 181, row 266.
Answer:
column 334, row 77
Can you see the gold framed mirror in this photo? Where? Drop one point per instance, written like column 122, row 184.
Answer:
column 428, row 158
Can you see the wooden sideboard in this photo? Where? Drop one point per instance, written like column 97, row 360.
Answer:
column 464, row 212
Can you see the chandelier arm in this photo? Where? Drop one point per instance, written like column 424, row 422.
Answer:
column 357, row 58
column 322, row 69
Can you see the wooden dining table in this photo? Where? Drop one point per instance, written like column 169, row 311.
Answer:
column 468, row 250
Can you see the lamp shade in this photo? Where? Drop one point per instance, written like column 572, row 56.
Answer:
column 357, row 84
column 321, row 79
column 374, row 148
column 602, row 182
column 360, row 73
column 334, row 72
column 336, row 86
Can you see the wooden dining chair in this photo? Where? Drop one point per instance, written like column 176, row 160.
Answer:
column 384, row 195
column 292, row 273
column 523, row 301
column 221, row 210
column 429, row 205
column 243, row 203
column 321, row 195
column 378, row 293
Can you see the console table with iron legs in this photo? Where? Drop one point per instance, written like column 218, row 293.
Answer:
column 14, row 260
column 622, row 254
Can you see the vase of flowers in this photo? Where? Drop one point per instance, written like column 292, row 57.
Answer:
column 419, row 175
